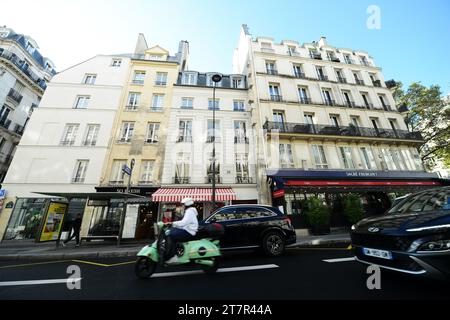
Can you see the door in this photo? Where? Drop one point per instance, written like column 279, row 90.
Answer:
column 146, row 218
column 233, row 236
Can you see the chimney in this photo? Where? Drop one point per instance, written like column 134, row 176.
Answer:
column 183, row 54
column 141, row 45
column 322, row 41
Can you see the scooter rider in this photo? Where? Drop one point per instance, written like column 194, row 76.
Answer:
column 183, row 230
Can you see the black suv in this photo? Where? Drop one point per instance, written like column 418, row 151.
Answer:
column 413, row 237
column 253, row 226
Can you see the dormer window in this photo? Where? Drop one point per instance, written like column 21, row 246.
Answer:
column 266, row 46
column 237, row 82
column 211, row 83
column 48, row 67
column 189, row 78
column 156, row 57
column 30, row 48
column 116, row 63
column 4, row 34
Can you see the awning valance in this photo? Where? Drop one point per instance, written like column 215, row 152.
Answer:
column 197, row 194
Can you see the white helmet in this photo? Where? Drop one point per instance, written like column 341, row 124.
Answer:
column 187, row 202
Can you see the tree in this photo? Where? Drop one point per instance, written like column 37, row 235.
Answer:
column 426, row 112
column 353, row 208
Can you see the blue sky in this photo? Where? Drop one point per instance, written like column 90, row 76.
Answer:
column 412, row 44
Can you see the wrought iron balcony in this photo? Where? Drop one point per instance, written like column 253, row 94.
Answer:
column 299, row 75
column 184, row 139
column 244, row 180
column 19, row 129
column 322, row 77
column 350, row 131
column 305, row 100
column 160, row 83
column 359, row 82
column 272, row 71
column 330, row 102
column 209, row 179
column 16, row 96
column 349, row 104
column 131, row 108
column 276, row 98
column 334, row 59
column 181, row 180
column 377, row 83
column 342, row 80
column 315, row 55
column 349, row 61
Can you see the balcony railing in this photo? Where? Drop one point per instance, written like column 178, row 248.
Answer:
column 16, row 96
column 349, row 104
column 305, row 101
column 322, row 77
column 181, row 180
column 209, row 179
column 243, row 140
column 213, row 139
column 315, row 55
column 5, row 123
column 334, row 59
column 276, row 98
column 184, row 139
column 244, row 180
column 124, row 140
column 330, row 102
column 377, row 83
column 131, row 108
column 350, row 131
column 299, row 75
column 349, row 61
column 19, row 129
column 342, row 80
column 359, row 82
column 272, row 71
column 67, row 143
column 387, row 107
column 15, row 60
column 160, row 83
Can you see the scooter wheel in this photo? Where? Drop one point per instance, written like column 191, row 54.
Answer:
column 144, row 268
column 212, row 269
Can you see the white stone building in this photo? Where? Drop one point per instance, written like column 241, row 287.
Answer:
column 66, row 141
column 188, row 156
column 24, row 73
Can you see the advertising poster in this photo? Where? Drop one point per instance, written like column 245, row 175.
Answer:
column 53, row 221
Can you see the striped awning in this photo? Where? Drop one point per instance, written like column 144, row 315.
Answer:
column 197, row 194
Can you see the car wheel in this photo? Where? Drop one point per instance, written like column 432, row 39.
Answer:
column 144, row 268
column 273, row 244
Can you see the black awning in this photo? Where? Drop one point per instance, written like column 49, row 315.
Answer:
column 92, row 195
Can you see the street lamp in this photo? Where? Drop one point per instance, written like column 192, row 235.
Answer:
column 216, row 79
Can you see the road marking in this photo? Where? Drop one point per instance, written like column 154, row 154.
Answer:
column 340, row 260
column 34, row 264
column 37, row 282
column 91, row 263
column 223, row 270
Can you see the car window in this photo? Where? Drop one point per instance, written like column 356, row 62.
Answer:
column 427, row 201
column 224, row 215
column 249, row 213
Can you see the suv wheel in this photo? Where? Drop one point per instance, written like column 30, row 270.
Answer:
column 273, row 244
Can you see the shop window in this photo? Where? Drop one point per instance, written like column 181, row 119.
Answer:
column 25, row 219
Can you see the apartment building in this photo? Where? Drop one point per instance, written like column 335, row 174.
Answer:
column 62, row 152
column 188, row 164
column 328, row 124
column 24, row 74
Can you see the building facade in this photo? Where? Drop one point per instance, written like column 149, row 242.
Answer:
column 24, row 74
column 188, row 164
column 139, row 134
column 328, row 124
column 65, row 144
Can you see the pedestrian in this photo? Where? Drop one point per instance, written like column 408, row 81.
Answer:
column 76, row 226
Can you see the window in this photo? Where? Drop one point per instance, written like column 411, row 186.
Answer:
column 358, row 79
column 185, row 131
column 182, row 168
column 90, row 78
column 271, row 67
column 161, row 79
column 90, row 138
column 127, row 131
column 348, row 99
column 334, row 119
column 303, row 95
column 69, row 135
column 242, row 169
column 189, row 78
column 278, row 119
column 340, row 76
column 116, row 62
column 187, row 103
column 407, row 156
column 157, row 57
column 80, row 171
column 364, row 61
column 157, row 102
column 30, row 48
column 213, row 104
column 319, row 157
column 345, row 154
column 274, row 91
column 134, row 99
column 398, row 159
column 309, row 119
column 82, row 102
column 153, row 131
column 238, row 105
column 348, row 59
column 388, row 159
column 213, row 134
column 210, row 82
column 237, row 82
column 117, row 174
column 211, row 166
column 417, row 159
column 266, row 46
column 321, row 74
column 286, row 157
column 368, row 159
column 354, row 121
column 375, row 124
column 298, row 72
column 327, row 97
column 383, row 102
column 146, row 173
column 367, row 103
column 292, row 51
column 240, row 132
column 139, row 77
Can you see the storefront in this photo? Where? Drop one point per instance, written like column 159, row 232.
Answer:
column 170, row 201
column 376, row 188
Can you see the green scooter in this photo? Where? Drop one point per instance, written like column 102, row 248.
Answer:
column 204, row 252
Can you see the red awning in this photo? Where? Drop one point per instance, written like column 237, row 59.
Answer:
column 361, row 183
column 197, row 194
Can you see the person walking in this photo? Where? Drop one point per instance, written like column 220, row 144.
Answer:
column 76, row 226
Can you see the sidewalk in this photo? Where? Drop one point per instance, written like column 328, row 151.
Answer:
column 29, row 250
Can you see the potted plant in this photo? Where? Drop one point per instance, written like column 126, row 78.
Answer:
column 353, row 208
column 318, row 216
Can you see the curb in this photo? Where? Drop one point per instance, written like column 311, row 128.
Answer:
column 67, row 256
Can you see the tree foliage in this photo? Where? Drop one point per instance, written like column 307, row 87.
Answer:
column 426, row 112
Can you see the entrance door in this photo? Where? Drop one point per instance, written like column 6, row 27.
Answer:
column 147, row 216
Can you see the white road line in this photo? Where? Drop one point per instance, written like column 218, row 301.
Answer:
column 340, row 260
column 223, row 270
column 37, row 282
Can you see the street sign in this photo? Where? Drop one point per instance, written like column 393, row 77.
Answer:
column 126, row 169
column 2, row 193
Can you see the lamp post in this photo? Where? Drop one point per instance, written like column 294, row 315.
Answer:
column 216, row 79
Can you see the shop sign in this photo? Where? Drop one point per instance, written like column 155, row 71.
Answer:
column 53, row 221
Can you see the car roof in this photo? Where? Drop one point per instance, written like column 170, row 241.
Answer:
column 249, row 205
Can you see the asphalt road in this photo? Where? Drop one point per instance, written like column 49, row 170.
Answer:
column 299, row 274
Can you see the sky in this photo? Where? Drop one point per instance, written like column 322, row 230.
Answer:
column 411, row 44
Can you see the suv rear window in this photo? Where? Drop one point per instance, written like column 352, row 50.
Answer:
column 248, row 213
